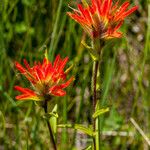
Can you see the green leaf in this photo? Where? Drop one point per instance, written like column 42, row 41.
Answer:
column 92, row 52
column 88, row 148
column 100, row 112
column 49, row 115
column 65, row 126
column 2, row 125
column 38, row 103
column 53, row 119
column 80, row 127
column 84, row 129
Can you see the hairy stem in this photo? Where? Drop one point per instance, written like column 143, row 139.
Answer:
column 52, row 140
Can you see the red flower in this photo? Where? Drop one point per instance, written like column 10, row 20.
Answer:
column 46, row 79
column 102, row 18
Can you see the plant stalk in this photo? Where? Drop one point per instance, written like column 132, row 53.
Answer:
column 52, row 140
column 97, row 46
column 94, row 80
column 95, row 121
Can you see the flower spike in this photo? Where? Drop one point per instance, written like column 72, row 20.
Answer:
column 46, row 79
column 102, row 18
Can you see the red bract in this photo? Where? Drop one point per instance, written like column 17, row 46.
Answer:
column 46, row 79
column 102, row 18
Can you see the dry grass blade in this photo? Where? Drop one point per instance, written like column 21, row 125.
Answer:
column 140, row 131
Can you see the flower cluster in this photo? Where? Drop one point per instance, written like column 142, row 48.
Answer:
column 102, row 18
column 46, row 79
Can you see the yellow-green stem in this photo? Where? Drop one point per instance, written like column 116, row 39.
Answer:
column 95, row 121
column 94, row 79
column 97, row 46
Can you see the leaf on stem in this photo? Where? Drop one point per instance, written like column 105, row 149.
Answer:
column 92, row 52
column 80, row 127
column 100, row 112
column 88, row 148
column 53, row 119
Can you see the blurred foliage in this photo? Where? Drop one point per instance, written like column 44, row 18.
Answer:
column 27, row 28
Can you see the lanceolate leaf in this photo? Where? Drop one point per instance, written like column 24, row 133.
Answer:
column 53, row 119
column 49, row 115
column 88, row 148
column 100, row 112
column 92, row 52
column 80, row 127
column 84, row 129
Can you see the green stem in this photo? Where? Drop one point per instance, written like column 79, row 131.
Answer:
column 94, row 81
column 52, row 140
column 97, row 46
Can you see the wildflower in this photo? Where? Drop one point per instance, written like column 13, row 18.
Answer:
column 102, row 18
column 46, row 79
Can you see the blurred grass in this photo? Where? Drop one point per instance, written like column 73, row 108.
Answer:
column 27, row 27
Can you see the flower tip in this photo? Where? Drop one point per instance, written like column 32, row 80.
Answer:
column 71, row 79
column 46, row 54
column 58, row 56
column 134, row 8
column 16, row 97
column 69, row 14
column 18, row 88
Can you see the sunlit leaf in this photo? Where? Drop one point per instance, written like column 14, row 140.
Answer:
column 100, row 112
column 88, row 148
column 53, row 119
column 80, row 127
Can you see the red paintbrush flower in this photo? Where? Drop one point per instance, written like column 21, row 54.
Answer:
column 46, row 79
column 102, row 18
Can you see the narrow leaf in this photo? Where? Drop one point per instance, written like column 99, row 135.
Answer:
column 100, row 112
column 88, row 148
column 53, row 119
column 80, row 127
column 86, row 130
column 92, row 52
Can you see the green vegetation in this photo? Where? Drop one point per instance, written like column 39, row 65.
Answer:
column 27, row 28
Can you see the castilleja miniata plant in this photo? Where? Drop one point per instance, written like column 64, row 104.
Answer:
column 101, row 19
column 46, row 80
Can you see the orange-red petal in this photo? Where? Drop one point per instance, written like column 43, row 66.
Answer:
column 27, row 94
